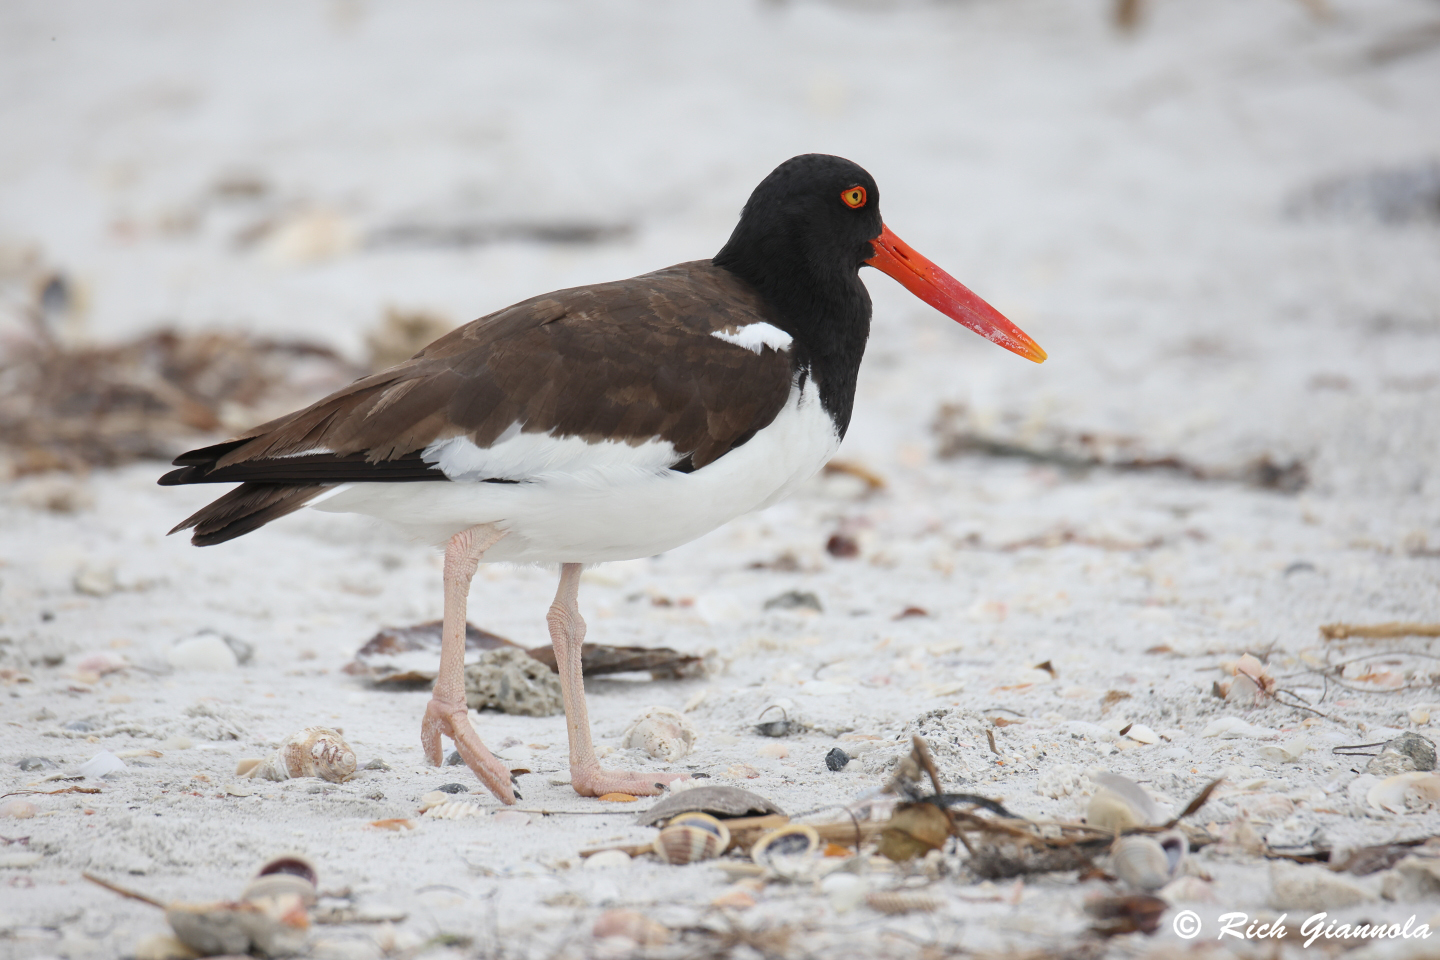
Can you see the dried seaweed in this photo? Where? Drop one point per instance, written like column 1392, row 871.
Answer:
column 64, row 408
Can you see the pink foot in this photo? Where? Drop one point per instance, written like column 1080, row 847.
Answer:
column 453, row 721
column 597, row 782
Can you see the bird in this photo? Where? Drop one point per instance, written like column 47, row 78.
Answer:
column 598, row 423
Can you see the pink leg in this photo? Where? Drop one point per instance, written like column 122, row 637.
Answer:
column 446, row 712
column 567, row 632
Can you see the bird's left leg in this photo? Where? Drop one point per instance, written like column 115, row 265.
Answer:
column 446, row 713
column 567, row 633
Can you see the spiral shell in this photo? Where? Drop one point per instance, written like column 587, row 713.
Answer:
column 902, row 901
column 1147, row 863
column 312, row 752
column 791, row 852
column 662, row 733
column 692, row 837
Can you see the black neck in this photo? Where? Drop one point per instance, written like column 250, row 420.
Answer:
column 825, row 309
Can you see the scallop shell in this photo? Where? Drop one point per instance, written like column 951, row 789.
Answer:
column 283, row 877
column 720, row 800
column 791, row 852
column 692, row 837
column 1405, row 791
column 902, row 901
column 312, row 752
column 663, row 733
column 1147, row 863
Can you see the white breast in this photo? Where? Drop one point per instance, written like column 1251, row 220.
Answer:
column 589, row 503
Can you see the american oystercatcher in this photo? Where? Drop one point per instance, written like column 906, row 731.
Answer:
column 598, row 423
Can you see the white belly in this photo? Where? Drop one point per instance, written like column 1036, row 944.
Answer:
column 610, row 506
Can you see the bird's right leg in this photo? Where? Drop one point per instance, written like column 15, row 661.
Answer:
column 446, row 713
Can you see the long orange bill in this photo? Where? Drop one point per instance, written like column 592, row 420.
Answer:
column 948, row 295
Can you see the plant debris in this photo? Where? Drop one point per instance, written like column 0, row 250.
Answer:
column 1378, row 631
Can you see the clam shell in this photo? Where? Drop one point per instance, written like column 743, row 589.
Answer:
column 684, row 843
column 790, row 852
column 1405, row 791
column 1119, row 804
column 281, row 877
column 719, row 800
column 1147, row 863
column 661, row 732
column 312, row 752
column 902, row 901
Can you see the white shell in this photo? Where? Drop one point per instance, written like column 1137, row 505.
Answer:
column 1147, row 863
column 661, row 732
column 312, row 752
column 1405, row 792
column 1119, row 804
column 791, row 852
column 902, row 901
column 455, row 810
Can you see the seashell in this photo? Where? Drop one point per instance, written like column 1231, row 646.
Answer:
column 1119, row 804
column 1147, row 863
column 1405, row 791
column 102, row 764
column 394, row 823
column 1420, row 715
column 455, row 810
column 1266, row 807
column 661, row 732
column 283, row 877
column 845, row 891
column 914, row 829
column 718, row 800
column 617, row 798
column 312, row 752
column 902, row 901
column 1142, row 734
column 741, row 771
column 776, row 751
column 515, row 818
column 268, row 927
column 1188, row 890
column 632, row 925
column 606, row 859
column 791, row 852
column 781, row 726
column 734, row 898
column 18, row 809
column 690, row 838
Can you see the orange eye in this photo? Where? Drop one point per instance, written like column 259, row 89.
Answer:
column 854, row 197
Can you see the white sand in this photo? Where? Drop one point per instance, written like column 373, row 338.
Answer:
column 1121, row 199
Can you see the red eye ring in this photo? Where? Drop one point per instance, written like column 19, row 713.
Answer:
column 853, row 197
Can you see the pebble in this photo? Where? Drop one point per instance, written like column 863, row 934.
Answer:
column 451, row 788
column 836, row 759
column 35, row 763
column 18, row 809
column 377, row 764
column 1409, row 751
column 207, row 651
column 80, row 726
column 454, row 760
column 741, row 771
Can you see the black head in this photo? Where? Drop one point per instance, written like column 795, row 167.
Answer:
column 802, row 238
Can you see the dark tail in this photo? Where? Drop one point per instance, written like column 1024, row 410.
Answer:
column 248, row 507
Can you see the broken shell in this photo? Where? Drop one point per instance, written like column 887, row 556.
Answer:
column 1405, row 791
column 1119, row 804
column 661, row 732
column 454, row 810
column 19, row 809
column 269, row 927
column 312, row 752
column 781, row 726
column 283, row 877
column 902, row 901
column 692, row 837
column 631, row 925
column 790, row 852
column 719, row 800
column 1188, row 890
column 1147, row 863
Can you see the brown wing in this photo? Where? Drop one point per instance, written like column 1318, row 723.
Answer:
column 632, row 361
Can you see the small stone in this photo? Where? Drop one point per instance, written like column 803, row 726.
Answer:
column 795, row 600
column 35, row 763
column 842, row 546
column 1409, row 751
column 454, row 760
column 451, row 788
column 378, row 764
column 206, row 651
column 836, row 759
column 741, row 771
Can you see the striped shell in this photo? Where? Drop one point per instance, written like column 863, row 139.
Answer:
column 902, row 901
column 692, row 837
column 791, row 852
column 313, row 752
column 1147, row 863
column 455, row 810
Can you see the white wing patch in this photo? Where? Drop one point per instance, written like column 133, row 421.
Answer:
column 753, row 336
